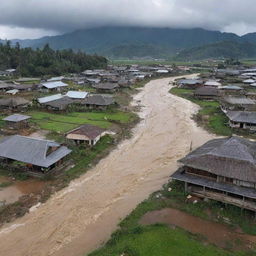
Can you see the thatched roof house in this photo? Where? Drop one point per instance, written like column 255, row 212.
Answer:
column 59, row 104
column 237, row 103
column 98, row 101
column 16, row 102
column 108, row 87
column 242, row 119
column 222, row 169
column 206, row 92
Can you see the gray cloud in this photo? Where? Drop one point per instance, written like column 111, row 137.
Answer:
column 58, row 16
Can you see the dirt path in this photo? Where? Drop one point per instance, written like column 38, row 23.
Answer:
column 81, row 217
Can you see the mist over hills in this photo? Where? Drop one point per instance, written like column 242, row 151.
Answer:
column 129, row 42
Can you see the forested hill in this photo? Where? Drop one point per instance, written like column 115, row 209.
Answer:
column 128, row 41
column 46, row 61
column 225, row 49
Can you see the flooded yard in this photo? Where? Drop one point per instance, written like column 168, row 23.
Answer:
column 215, row 233
column 12, row 189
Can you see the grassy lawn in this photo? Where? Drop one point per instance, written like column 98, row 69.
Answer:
column 132, row 239
column 84, row 157
column 65, row 122
column 158, row 240
column 210, row 114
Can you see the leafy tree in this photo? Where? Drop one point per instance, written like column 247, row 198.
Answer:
column 46, row 61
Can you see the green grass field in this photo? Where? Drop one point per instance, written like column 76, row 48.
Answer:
column 158, row 240
column 65, row 122
column 210, row 114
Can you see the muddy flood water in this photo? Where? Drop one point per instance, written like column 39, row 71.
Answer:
column 79, row 218
column 16, row 189
column 219, row 234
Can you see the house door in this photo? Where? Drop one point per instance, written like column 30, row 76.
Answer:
column 241, row 125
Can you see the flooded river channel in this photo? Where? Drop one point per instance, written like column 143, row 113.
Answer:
column 79, row 218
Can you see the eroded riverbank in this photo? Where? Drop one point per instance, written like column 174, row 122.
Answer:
column 82, row 216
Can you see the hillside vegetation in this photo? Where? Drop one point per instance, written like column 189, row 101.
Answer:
column 226, row 49
column 131, row 42
column 46, row 61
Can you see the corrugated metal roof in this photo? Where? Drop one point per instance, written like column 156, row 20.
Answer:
column 212, row 83
column 49, row 98
column 31, row 150
column 16, row 118
column 55, row 84
column 77, row 94
column 231, row 87
column 248, row 81
column 57, row 78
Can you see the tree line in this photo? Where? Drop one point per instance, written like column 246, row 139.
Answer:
column 46, row 61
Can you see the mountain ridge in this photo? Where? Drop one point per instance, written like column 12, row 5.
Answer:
column 117, row 41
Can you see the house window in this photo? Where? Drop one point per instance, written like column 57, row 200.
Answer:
column 229, row 180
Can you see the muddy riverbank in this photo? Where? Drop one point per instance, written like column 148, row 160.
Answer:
column 82, row 216
column 215, row 233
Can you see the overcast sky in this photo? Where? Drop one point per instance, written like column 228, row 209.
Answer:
column 36, row 18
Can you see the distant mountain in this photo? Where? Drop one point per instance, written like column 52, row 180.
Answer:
column 225, row 49
column 128, row 42
column 101, row 40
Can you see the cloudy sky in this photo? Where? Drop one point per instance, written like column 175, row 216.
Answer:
column 36, row 18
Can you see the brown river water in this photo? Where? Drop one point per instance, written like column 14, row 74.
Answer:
column 12, row 193
column 81, row 217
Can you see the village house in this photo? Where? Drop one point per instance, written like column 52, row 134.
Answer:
column 231, row 89
column 49, row 98
column 248, row 81
column 237, row 103
column 53, row 86
column 5, row 86
column 77, row 94
column 206, row 93
column 123, row 82
column 251, row 95
column 93, row 80
column 212, row 83
column 14, row 103
column 97, row 101
column 223, row 170
column 25, row 87
column 60, row 104
column 8, row 72
column 227, row 72
column 54, row 79
column 242, row 120
column 189, row 83
column 88, row 134
column 106, row 87
column 34, row 154
column 17, row 121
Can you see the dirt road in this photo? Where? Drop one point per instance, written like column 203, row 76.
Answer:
column 79, row 218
